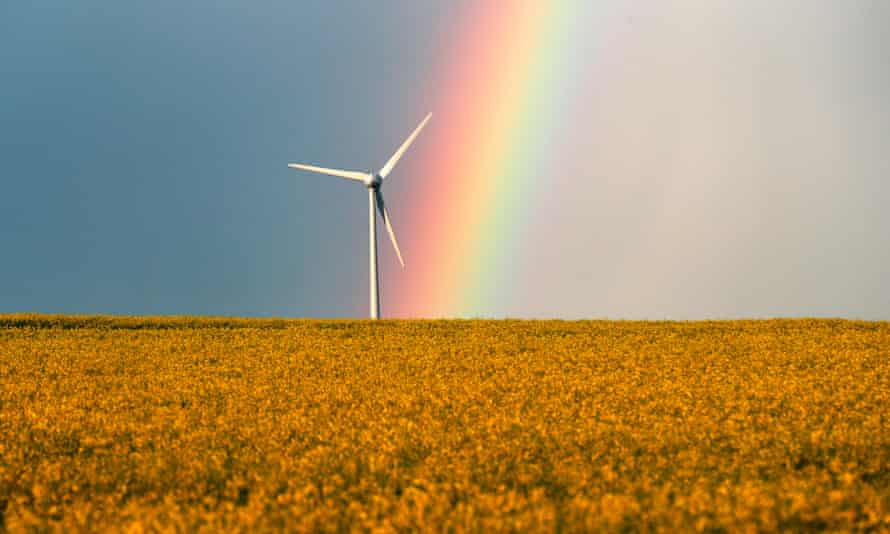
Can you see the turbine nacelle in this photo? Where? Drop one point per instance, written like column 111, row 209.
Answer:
column 373, row 180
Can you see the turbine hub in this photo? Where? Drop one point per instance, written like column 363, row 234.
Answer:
column 374, row 181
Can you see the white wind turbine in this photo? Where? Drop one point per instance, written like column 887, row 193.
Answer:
column 375, row 198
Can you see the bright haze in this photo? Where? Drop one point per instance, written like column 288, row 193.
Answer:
column 678, row 160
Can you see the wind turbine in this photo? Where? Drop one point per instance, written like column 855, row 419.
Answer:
column 375, row 199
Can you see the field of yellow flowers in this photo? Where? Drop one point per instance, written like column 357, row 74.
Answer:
column 144, row 424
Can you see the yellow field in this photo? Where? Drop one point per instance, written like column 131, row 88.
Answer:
column 159, row 424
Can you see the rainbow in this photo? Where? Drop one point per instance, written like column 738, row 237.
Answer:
column 498, row 96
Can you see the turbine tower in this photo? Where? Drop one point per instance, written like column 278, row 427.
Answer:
column 375, row 200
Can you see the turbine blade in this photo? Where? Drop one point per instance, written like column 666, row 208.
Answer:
column 352, row 175
column 395, row 157
column 381, row 208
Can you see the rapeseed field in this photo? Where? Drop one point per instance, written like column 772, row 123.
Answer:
column 156, row 424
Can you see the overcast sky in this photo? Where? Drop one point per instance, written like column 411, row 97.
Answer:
column 737, row 162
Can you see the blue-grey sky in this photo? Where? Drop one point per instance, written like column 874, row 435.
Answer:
column 143, row 149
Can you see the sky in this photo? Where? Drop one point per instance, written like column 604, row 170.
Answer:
column 611, row 159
